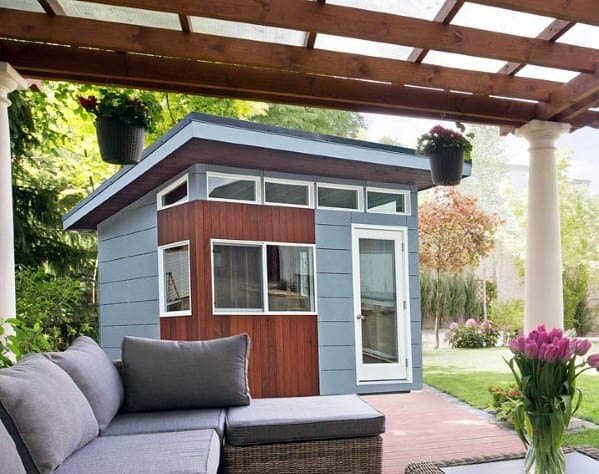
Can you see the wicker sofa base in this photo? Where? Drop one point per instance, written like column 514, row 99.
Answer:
column 349, row 456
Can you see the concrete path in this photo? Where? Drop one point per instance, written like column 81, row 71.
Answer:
column 428, row 426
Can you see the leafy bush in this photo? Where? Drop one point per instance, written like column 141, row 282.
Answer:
column 59, row 305
column 508, row 317
column 577, row 313
column 24, row 340
column 472, row 335
column 504, row 399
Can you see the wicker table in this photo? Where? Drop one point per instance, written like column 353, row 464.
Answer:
column 490, row 463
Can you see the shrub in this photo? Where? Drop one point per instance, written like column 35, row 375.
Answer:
column 508, row 317
column 24, row 340
column 60, row 306
column 577, row 313
column 472, row 335
column 504, row 399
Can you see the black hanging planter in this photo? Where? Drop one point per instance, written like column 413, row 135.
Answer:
column 447, row 165
column 120, row 143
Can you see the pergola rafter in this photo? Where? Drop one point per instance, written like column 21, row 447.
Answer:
column 228, row 66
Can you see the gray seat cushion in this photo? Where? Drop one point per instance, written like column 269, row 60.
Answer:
column 95, row 375
column 279, row 420
column 11, row 462
column 176, row 375
column 184, row 452
column 45, row 413
column 163, row 421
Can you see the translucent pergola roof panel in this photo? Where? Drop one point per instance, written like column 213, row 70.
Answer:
column 582, row 35
column 500, row 20
column 463, row 61
column 233, row 29
column 132, row 16
column 28, row 5
column 358, row 46
column 539, row 72
column 425, row 9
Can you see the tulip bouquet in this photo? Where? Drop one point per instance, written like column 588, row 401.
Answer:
column 546, row 365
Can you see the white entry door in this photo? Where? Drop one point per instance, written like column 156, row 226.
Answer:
column 381, row 303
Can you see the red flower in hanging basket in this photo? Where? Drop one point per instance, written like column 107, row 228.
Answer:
column 88, row 103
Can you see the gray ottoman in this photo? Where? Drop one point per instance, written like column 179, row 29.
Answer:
column 304, row 435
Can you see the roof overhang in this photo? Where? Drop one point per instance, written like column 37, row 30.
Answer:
column 210, row 140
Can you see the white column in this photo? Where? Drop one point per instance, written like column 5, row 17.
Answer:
column 9, row 81
column 544, row 302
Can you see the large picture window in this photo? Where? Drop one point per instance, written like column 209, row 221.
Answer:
column 236, row 188
column 173, row 280
column 262, row 277
column 386, row 201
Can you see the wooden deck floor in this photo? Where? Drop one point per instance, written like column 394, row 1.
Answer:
column 423, row 426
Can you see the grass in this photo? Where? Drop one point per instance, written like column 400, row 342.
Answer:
column 467, row 374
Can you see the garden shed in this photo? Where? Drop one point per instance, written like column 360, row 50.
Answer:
column 306, row 242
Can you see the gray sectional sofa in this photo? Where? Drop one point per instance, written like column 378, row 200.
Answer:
column 172, row 407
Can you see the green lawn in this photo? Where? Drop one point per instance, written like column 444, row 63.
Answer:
column 467, row 374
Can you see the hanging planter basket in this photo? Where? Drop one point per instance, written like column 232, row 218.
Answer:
column 120, row 143
column 447, row 165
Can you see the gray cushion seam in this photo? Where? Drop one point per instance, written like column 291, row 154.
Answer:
column 21, row 438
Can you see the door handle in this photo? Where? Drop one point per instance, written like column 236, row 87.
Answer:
column 360, row 316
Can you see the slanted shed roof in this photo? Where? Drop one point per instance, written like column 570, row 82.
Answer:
column 201, row 138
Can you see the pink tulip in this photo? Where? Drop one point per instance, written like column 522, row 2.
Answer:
column 580, row 346
column 555, row 333
column 471, row 323
column 531, row 350
column 564, row 348
column 454, row 326
column 552, row 353
column 533, row 335
column 593, row 361
column 542, row 350
column 517, row 345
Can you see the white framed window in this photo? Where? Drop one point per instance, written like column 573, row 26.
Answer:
column 262, row 277
column 388, row 201
column 175, row 193
column 285, row 192
column 339, row 197
column 174, row 279
column 233, row 187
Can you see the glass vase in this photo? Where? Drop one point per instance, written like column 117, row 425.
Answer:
column 545, row 454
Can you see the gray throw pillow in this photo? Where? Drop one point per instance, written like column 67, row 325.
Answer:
column 41, row 405
column 11, row 462
column 170, row 375
column 95, row 375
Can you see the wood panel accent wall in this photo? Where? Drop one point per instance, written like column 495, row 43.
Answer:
column 284, row 351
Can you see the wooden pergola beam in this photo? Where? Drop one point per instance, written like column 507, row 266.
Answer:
column 52, row 7
column 577, row 11
column 311, row 36
column 446, row 13
column 168, row 43
column 185, row 23
column 382, row 27
column 575, row 96
column 553, row 31
column 137, row 70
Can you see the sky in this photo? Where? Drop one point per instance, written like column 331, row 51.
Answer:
column 583, row 144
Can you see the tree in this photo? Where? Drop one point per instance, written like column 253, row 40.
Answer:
column 454, row 233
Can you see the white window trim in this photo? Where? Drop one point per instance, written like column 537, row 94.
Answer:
column 293, row 182
column 168, row 189
column 264, row 311
column 161, row 299
column 246, row 177
column 407, row 200
column 360, row 200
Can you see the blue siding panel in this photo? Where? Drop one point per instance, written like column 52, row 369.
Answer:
column 334, row 261
column 142, row 312
column 129, row 291
column 112, row 336
column 336, row 333
column 337, row 382
column 322, row 216
column 335, row 309
column 129, row 221
column 334, row 285
column 333, row 237
column 137, row 243
column 378, row 219
column 145, row 265
column 337, row 358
